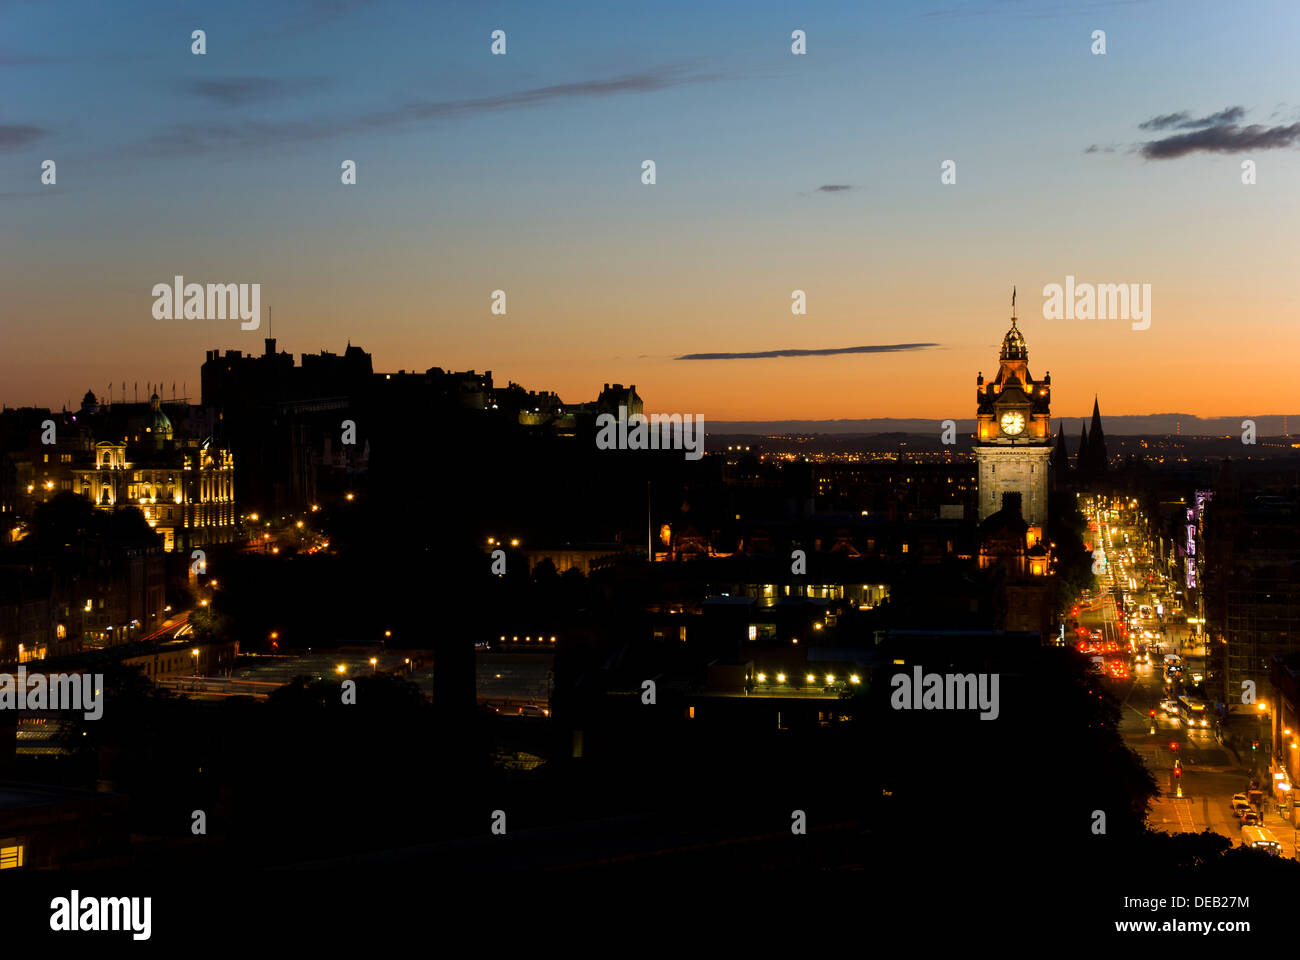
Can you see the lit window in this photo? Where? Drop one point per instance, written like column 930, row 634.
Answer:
column 11, row 855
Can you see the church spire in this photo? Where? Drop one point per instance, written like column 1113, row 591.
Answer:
column 1061, row 458
column 1096, row 441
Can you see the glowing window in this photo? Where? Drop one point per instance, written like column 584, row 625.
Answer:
column 11, row 855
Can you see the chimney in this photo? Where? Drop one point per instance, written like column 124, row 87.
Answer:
column 270, row 347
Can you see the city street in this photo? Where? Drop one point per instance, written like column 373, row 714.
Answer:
column 1211, row 773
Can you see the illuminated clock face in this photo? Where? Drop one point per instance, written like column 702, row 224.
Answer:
column 1012, row 423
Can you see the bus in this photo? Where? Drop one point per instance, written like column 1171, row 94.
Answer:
column 1193, row 711
column 1259, row 838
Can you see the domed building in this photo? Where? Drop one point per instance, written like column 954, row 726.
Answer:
column 184, row 487
column 156, row 424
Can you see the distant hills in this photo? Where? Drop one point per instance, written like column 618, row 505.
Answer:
column 1154, row 424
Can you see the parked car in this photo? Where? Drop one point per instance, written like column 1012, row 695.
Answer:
column 1240, row 808
column 1250, row 819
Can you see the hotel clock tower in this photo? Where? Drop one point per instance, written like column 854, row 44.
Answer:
column 1013, row 437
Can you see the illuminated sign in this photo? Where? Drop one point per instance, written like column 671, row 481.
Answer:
column 1194, row 514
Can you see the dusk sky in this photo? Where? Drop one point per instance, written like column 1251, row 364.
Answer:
column 523, row 173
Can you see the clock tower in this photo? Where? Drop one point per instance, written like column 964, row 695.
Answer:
column 1013, row 436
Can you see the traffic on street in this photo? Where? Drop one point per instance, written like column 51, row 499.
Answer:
column 1154, row 658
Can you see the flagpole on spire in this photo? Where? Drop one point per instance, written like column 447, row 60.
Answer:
column 1013, row 303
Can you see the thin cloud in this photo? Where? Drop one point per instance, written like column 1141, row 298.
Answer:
column 792, row 352
column 240, row 91
column 1225, row 139
column 16, row 137
column 1214, row 133
column 316, row 13
column 834, row 187
column 1182, row 120
column 197, row 138
column 1035, row 10
column 8, row 59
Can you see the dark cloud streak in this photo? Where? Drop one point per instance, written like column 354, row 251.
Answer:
column 1182, row 120
column 16, row 137
column 239, row 91
column 1225, row 139
column 180, row 139
column 793, row 352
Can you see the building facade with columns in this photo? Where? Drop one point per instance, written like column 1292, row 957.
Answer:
column 184, row 488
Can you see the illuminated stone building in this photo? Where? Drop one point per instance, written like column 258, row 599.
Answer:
column 1021, row 565
column 1013, row 436
column 185, row 488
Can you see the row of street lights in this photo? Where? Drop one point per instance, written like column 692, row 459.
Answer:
column 810, row 678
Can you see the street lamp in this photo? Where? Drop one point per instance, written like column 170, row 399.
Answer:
column 195, row 654
column 373, row 665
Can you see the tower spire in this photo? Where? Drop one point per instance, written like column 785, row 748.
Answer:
column 1013, row 305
